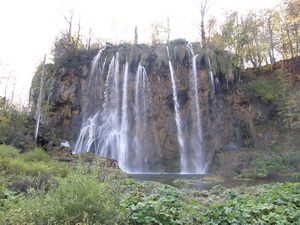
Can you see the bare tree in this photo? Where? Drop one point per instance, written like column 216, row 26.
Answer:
column 135, row 36
column 160, row 31
column 69, row 41
column 204, row 7
column 168, row 29
column 88, row 39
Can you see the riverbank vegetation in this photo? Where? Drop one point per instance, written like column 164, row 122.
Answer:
column 35, row 189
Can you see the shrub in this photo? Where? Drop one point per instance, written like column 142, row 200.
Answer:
column 275, row 164
column 260, row 167
column 179, row 41
column 268, row 166
column 78, row 199
column 18, row 166
column 4, row 129
column 37, row 155
column 7, row 151
column 32, row 163
column 268, row 90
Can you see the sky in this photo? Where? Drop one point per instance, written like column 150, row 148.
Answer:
column 29, row 28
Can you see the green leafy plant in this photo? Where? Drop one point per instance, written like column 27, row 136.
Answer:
column 265, row 167
column 36, row 155
column 7, row 151
column 260, row 167
column 77, row 198
column 268, row 90
column 161, row 207
column 277, row 204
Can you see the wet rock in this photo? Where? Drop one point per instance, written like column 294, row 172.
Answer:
column 229, row 118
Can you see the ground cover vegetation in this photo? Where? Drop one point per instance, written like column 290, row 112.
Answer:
column 34, row 189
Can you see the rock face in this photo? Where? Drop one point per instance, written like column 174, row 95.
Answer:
column 123, row 106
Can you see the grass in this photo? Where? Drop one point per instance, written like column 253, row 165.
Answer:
column 34, row 189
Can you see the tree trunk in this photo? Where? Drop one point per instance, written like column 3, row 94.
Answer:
column 39, row 104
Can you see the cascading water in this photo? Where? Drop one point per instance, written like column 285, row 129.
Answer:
column 110, row 130
column 211, row 76
column 123, row 148
column 197, row 164
column 142, row 107
column 183, row 154
column 214, row 102
column 100, row 132
column 122, row 117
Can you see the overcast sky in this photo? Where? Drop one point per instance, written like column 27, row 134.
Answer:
column 28, row 27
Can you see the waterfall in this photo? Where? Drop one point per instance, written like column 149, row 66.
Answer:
column 120, row 127
column 197, row 164
column 211, row 76
column 124, row 123
column 142, row 106
column 101, row 133
column 183, row 153
column 194, row 94
column 130, row 115
column 95, row 77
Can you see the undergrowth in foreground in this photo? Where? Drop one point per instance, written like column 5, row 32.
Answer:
column 85, row 194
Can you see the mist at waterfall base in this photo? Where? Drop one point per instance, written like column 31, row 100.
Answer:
column 119, row 121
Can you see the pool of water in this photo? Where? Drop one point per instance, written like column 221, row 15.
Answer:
column 196, row 183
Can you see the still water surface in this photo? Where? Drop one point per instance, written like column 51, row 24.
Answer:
column 196, row 183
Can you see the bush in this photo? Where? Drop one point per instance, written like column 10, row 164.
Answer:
column 268, row 90
column 37, row 155
column 7, row 151
column 260, row 168
column 269, row 166
column 15, row 130
column 179, row 41
column 78, row 199
column 18, row 166
column 4, row 129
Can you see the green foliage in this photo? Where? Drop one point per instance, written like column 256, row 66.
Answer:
column 179, row 182
column 89, row 195
column 276, row 164
column 32, row 163
column 83, row 196
column 179, row 41
column 290, row 109
column 35, row 156
column 276, row 148
column 269, row 166
column 268, row 90
column 278, row 205
column 15, row 129
column 293, row 160
column 161, row 207
column 296, row 175
column 4, row 129
column 260, row 167
column 80, row 198
column 7, row 151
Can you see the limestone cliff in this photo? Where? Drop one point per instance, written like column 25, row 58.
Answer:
column 229, row 117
